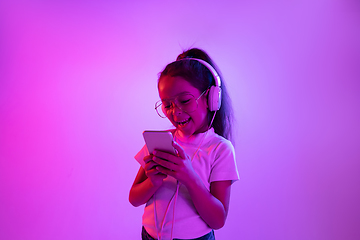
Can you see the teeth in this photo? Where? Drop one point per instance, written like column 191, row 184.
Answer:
column 183, row 122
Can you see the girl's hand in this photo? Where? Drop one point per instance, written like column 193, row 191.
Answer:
column 155, row 176
column 179, row 167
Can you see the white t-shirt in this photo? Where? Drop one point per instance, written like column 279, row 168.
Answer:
column 214, row 161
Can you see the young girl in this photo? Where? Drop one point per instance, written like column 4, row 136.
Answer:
column 187, row 195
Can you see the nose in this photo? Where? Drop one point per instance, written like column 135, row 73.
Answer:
column 175, row 110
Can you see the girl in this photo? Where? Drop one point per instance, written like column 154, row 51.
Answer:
column 187, row 195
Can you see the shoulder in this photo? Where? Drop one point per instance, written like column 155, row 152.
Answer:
column 221, row 143
column 219, row 148
column 223, row 162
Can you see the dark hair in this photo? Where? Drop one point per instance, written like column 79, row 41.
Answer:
column 201, row 78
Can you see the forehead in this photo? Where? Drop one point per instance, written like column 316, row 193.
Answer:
column 170, row 87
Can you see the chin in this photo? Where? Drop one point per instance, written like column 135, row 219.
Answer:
column 185, row 132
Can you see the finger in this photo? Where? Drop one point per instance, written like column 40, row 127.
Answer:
column 165, row 156
column 165, row 171
column 180, row 150
column 148, row 158
column 164, row 163
column 150, row 165
column 153, row 172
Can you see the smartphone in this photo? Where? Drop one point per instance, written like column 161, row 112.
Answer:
column 160, row 140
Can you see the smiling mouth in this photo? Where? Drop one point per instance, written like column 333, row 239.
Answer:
column 183, row 123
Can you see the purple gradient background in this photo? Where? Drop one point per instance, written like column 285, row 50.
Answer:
column 77, row 88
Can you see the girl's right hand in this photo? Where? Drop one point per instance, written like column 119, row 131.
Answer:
column 152, row 173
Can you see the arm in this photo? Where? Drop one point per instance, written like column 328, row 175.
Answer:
column 211, row 205
column 147, row 181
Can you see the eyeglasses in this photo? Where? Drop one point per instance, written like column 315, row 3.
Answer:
column 185, row 102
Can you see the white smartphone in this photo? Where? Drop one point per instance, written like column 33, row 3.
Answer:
column 160, row 140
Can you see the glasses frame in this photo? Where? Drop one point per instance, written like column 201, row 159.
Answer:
column 159, row 104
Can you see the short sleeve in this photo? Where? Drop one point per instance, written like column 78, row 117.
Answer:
column 224, row 166
column 139, row 157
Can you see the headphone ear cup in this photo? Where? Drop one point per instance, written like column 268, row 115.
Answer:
column 214, row 98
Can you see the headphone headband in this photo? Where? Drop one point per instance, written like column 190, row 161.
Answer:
column 209, row 67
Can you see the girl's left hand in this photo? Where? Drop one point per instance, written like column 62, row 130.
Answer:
column 179, row 167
